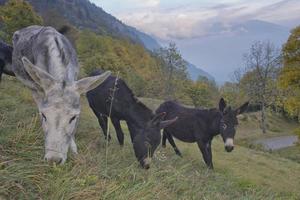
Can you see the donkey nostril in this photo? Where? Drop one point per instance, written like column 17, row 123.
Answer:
column 229, row 148
column 145, row 163
column 59, row 161
column 56, row 160
column 146, row 166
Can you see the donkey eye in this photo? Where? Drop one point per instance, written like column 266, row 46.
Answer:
column 44, row 117
column 72, row 119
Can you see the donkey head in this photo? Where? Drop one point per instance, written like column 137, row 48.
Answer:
column 146, row 142
column 228, row 122
column 59, row 106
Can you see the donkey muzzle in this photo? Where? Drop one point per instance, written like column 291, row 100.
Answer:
column 54, row 157
column 229, row 146
column 146, row 163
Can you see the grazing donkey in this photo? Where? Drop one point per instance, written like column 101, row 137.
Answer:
column 201, row 125
column 5, row 59
column 143, row 125
column 44, row 61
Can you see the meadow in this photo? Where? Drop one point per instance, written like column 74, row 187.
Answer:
column 108, row 171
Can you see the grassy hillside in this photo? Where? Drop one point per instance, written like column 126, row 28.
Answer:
column 242, row 174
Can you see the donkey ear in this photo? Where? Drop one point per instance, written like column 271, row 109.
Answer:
column 164, row 124
column 158, row 118
column 39, row 76
column 89, row 83
column 222, row 105
column 242, row 109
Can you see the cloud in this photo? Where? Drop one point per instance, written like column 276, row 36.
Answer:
column 167, row 23
column 197, row 20
column 116, row 6
column 151, row 3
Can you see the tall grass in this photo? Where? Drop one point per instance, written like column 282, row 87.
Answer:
column 112, row 97
column 243, row 174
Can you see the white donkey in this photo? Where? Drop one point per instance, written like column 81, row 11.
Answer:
column 45, row 61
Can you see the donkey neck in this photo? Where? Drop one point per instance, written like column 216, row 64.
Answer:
column 139, row 114
column 215, row 117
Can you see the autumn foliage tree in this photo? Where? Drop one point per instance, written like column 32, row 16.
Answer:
column 199, row 94
column 17, row 14
column 138, row 67
column 290, row 74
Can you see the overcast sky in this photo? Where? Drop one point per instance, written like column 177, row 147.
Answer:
column 200, row 27
column 180, row 19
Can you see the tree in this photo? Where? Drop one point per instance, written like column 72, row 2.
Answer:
column 290, row 74
column 17, row 14
column 259, row 82
column 174, row 68
column 203, row 92
column 200, row 94
column 232, row 93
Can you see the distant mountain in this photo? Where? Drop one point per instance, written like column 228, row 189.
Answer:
column 221, row 50
column 195, row 72
column 85, row 15
column 149, row 42
column 257, row 27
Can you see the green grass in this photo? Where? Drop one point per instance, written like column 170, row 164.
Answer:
column 242, row 174
column 292, row 153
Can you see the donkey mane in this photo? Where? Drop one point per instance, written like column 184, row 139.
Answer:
column 138, row 102
column 48, row 49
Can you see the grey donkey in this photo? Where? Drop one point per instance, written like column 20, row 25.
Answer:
column 45, row 61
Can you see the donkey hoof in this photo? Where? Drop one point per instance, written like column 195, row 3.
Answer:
column 178, row 153
column 108, row 138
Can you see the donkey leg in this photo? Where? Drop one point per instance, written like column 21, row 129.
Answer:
column 172, row 142
column 205, row 148
column 1, row 69
column 164, row 139
column 102, row 120
column 132, row 130
column 120, row 134
column 103, row 123
column 210, row 155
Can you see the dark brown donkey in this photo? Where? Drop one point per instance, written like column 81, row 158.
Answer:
column 201, row 125
column 143, row 125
